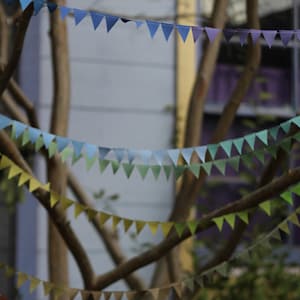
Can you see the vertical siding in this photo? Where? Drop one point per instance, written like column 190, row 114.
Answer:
column 121, row 84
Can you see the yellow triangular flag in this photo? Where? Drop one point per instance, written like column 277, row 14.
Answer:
column 21, row 278
column 91, row 214
column 130, row 295
column 5, row 162
column 107, row 295
column 24, row 177
column 48, row 286
column 294, row 219
column 103, row 218
column 72, row 293
column 34, row 282
column 34, row 184
column 85, row 295
column 118, row 295
column 166, row 227
column 153, row 226
column 164, row 293
column 96, row 295
column 154, row 293
column 53, row 199
column 127, row 223
column 65, row 203
column 116, row 220
column 46, row 187
column 177, row 289
column 139, row 225
column 78, row 209
column 13, row 171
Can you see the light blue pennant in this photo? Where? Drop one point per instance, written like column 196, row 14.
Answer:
column 79, row 15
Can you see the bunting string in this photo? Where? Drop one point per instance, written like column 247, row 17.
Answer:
column 243, row 149
column 13, row 171
column 178, row 288
column 167, row 28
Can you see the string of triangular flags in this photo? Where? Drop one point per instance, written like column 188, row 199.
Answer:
column 165, row 160
column 177, row 288
column 167, row 28
column 13, row 171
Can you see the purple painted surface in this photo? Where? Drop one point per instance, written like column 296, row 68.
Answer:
column 271, row 88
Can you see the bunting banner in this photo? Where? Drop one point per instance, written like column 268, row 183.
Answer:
column 236, row 151
column 13, row 171
column 176, row 288
column 167, row 29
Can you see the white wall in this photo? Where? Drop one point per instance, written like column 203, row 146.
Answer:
column 121, row 84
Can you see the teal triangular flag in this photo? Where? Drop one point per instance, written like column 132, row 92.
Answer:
column 263, row 136
column 221, row 165
column 296, row 121
column 234, row 162
column 238, row 143
column 213, row 149
column 286, row 145
column 178, row 171
column 274, row 132
column 187, row 154
column 286, row 126
column 195, row 169
column 227, row 145
column 201, row 151
column 250, row 138
column 207, row 167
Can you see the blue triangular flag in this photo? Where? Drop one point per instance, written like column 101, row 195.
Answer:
column 37, row 5
column 286, row 36
column 183, row 31
column 25, row 3
column 79, row 15
column 145, row 155
column 228, row 34
column 201, row 151
column 64, row 11
column 34, row 134
column 212, row 33
column 90, row 150
column 47, row 138
column 138, row 23
column 103, row 151
column 19, row 128
column 110, row 22
column 96, row 19
column 119, row 154
column 167, row 30
column 255, row 34
column 187, row 154
column 243, row 34
column 159, row 156
column 62, row 143
column 77, row 146
column 196, row 30
column 269, row 36
column 51, row 6
column 174, row 154
column 4, row 122
column 152, row 26
column 131, row 155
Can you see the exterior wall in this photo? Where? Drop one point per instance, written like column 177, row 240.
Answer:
column 121, row 84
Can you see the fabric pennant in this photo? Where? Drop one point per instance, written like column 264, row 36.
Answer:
column 34, row 283
column 79, row 15
column 286, row 36
column 212, row 33
column 128, row 169
column 64, row 11
column 103, row 165
column 263, row 136
column 4, row 122
column 220, row 165
column 159, row 156
column 139, row 226
column 52, row 7
column 187, row 154
column 166, row 228
column 285, row 228
column 110, row 22
column 243, row 215
column 96, row 19
column 155, row 171
column 167, row 29
column 196, row 30
column 287, row 196
column 266, row 207
column 243, row 34
column 143, row 170
column 195, row 169
column 228, row 34
column 153, row 226
column 174, row 154
column 178, row 171
column 119, row 154
column 269, row 36
column 77, row 146
column 234, row 162
column 255, row 35
column 179, row 227
column 238, row 143
column 127, row 224
column 226, row 146
column 21, row 279
column 37, row 6
column 207, row 167
column 192, row 225
column 213, row 149
column 18, row 128
column 183, row 31
column 115, row 221
column 230, row 219
column 250, row 139
column 201, row 152
column 293, row 218
column 167, row 171
column 24, row 3
column 152, row 27
column 103, row 218
column 138, row 23
column 78, row 209
column 103, row 151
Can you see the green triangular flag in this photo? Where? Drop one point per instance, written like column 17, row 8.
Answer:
column 238, row 143
column 143, row 170
column 266, row 207
column 178, row 171
column 286, row 145
column 195, row 169
column 296, row 137
column 276, row 235
column 294, row 219
column 115, row 166
column 286, row 126
column 227, row 145
column 287, row 196
column 25, row 137
column 219, row 221
column 296, row 121
column 192, row 225
column 250, row 139
column 284, row 227
column 66, row 153
column 243, row 215
column 52, row 149
column 260, row 155
column 39, row 143
column 180, row 227
column 167, row 170
column 222, row 269
column 128, row 169
column 103, row 165
column 230, row 219
column 263, row 136
column 273, row 151
column 213, row 149
column 274, row 132
column 220, row 165
column 89, row 161
column 234, row 162
column 247, row 160
column 156, row 170
column 166, row 227
column 295, row 189
column 207, row 167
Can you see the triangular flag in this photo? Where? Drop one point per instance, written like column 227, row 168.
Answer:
column 195, row 169
column 24, row 3
column 155, row 170
column 13, row 171
column 143, row 170
column 213, row 149
column 62, row 143
column 25, row 137
column 247, row 160
column 159, row 156
column 238, row 143
column 139, row 225
column 167, row 30
column 152, row 26
column 33, row 184
column 79, row 15
column 34, row 134
column 103, row 165
column 243, row 34
column 207, row 167
column 286, row 36
column 51, row 7
column 180, row 227
column 255, row 34
column 52, row 149
column 294, row 219
column 48, row 286
column 103, row 218
column 287, row 196
column 178, row 171
column 110, row 22
column 91, row 214
column 153, row 226
column 103, row 151
column 222, row 269
column 276, row 235
column 65, row 202
column 263, row 136
column 260, row 155
column 64, row 11
column 201, row 152
column 128, row 169
column 243, row 215
column 285, row 126
column 65, row 154
column 228, row 34
column 234, row 162
column 230, row 219
column 192, row 225
column 250, row 138
column 145, row 155
column 220, row 165
column 211, row 33
column 78, row 209
column 284, row 227
column 96, row 19
column 219, row 221
column 196, row 32
column 266, row 207
column 18, row 129
column 23, row 179
column 119, row 154
column 295, row 189
column 34, row 282
column 77, row 146
column 115, row 166
column 227, row 145
column 187, row 154
column 166, row 227
column 115, row 221
column 127, row 224
column 47, row 138
column 273, row 150
column 5, row 162
column 274, row 132
column 4, row 122
column 21, row 279
column 90, row 150
column 37, row 5
column 269, row 36
column 296, row 121
column 138, row 23
column 174, row 154
column 183, row 31
column 167, row 170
